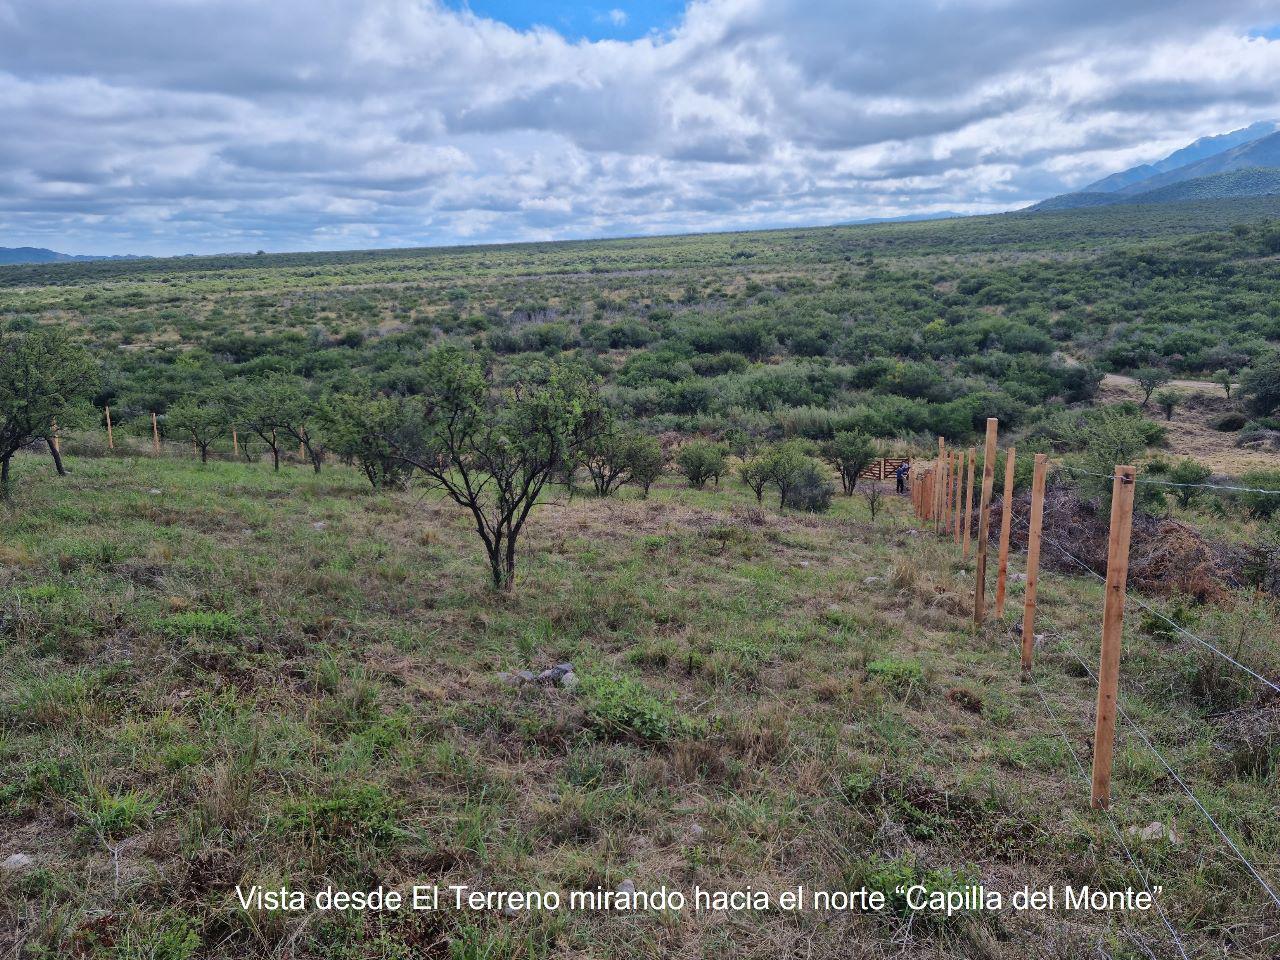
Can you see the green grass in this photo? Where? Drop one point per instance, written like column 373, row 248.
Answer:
column 200, row 689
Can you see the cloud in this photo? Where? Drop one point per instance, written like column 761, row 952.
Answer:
column 205, row 125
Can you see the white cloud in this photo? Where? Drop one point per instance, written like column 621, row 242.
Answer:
column 226, row 124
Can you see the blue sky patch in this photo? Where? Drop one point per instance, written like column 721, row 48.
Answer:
column 575, row 21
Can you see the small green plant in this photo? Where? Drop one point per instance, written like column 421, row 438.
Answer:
column 624, row 707
column 214, row 624
column 701, row 461
column 900, row 676
column 107, row 813
column 364, row 812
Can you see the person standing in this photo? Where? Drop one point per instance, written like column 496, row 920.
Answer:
column 900, row 475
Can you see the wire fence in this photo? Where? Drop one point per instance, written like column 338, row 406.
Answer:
column 950, row 506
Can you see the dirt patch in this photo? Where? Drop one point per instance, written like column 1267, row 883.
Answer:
column 1190, row 433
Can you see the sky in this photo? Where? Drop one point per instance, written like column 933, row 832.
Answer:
column 202, row 126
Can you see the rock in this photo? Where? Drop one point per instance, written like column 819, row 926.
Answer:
column 870, row 580
column 319, row 525
column 569, row 680
column 557, row 674
column 627, row 886
column 1155, row 830
column 154, row 491
column 516, row 677
column 804, row 563
column 695, row 831
column 510, row 911
column 17, row 863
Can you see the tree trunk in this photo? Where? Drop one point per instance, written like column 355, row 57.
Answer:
column 509, row 579
column 4, row 477
column 57, row 457
column 204, row 453
column 275, row 458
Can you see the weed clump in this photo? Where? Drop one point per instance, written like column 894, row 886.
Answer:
column 899, row 676
column 620, row 707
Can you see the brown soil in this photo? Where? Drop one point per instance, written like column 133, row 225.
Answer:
column 1189, row 432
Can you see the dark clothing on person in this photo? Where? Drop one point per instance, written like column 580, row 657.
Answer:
column 901, row 476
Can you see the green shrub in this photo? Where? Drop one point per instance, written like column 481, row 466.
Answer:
column 700, row 461
column 811, row 491
column 1187, row 471
column 622, row 707
column 1229, row 422
column 1261, row 505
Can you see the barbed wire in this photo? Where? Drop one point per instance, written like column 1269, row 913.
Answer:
column 1111, row 822
column 1142, row 735
column 1173, row 623
column 1170, row 483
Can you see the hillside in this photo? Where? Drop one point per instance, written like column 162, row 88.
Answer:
column 214, row 676
column 1202, row 149
column 1238, row 164
column 31, row 255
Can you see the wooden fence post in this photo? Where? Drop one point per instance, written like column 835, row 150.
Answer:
column 111, row 439
column 938, row 485
column 1033, row 563
column 235, row 443
column 155, row 433
column 968, row 500
column 984, row 522
column 1104, row 730
column 1006, row 523
column 959, row 485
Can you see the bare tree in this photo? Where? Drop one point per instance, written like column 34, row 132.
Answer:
column 494, row 450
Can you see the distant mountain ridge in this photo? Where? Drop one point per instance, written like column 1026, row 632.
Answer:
column 14, row 255
column 1242, row 163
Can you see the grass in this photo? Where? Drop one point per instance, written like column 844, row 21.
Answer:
column 203, row 688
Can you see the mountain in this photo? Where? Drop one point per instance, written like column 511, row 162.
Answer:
column 1201, row 149
column 12, row 255
column 1243, row 163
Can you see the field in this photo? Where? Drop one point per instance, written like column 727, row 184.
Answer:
column 219, row 675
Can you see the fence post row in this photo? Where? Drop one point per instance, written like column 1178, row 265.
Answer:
column 1104, row 732
column 1033, row 563
column 1006, row 524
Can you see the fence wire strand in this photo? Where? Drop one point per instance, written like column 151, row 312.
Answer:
column 1111, row 822
column 1170, row 483
column 1142, row 735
